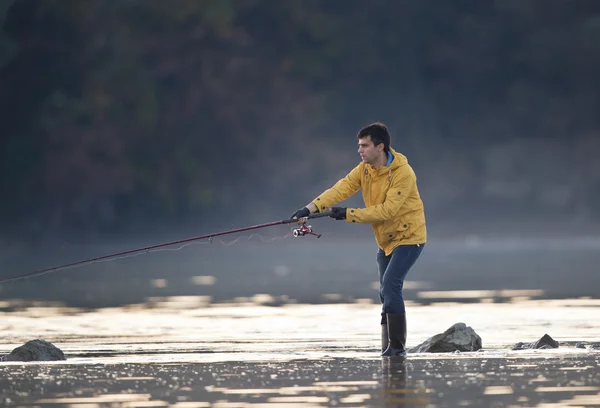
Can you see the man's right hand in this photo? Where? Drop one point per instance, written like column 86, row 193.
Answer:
column 301, row 213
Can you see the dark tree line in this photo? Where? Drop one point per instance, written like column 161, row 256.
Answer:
column 116, row 112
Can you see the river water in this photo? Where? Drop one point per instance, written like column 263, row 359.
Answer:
column 188, row 352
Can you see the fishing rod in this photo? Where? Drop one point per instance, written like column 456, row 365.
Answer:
column 300, row 231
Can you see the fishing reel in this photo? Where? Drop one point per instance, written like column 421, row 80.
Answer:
column 304, row 230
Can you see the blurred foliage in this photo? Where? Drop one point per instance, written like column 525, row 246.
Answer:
column 7, row 46
column 118, row 112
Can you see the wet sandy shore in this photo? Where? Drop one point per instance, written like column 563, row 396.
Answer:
column 187, row 353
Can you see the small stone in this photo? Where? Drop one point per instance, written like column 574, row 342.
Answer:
column 36, row 350
column 546, row 342
column 459, row 337
column 580, row 345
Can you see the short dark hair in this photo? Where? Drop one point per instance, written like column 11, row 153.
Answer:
column 379, row 134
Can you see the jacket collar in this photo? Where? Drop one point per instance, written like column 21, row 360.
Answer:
column 395, row 160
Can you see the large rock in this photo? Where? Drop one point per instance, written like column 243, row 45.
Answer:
column 459, row 337
column 546, row 342
column 35, row 350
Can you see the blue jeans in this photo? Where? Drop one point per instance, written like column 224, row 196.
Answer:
column 392, row 272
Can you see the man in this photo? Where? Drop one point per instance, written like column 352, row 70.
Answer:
column 395, row 211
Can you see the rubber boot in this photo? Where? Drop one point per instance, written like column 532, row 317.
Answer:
column 397, row 335
column 384, row 337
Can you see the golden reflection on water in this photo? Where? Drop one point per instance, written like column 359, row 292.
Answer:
column 174, row 332
column 567, row 388
column 195, row 319
column 100, row 399
column 498, row 390
column 355, row 399
column 393, row 393
column 303, row 399
column 481, row 294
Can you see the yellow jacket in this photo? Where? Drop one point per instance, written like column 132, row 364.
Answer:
column 394, row 206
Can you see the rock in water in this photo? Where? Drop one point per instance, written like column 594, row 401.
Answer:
column 35, row 350
column 546, row 342
column 459, row 337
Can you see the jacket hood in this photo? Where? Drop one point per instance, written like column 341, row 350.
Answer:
column 399, row 159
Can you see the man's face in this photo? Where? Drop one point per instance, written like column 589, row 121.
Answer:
column 368, row 151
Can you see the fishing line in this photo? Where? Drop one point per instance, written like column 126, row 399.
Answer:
column 210, row 242
column 296, row 232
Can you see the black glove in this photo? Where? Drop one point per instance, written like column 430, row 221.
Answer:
column 339, row 213
column 301, row 213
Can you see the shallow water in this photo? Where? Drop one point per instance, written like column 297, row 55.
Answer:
column 186, row 352
column 545, row 380
column 340, row 269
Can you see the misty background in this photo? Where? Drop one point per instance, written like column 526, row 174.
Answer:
column 130, row 123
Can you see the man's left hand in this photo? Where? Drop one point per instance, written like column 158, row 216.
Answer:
column 339, row 213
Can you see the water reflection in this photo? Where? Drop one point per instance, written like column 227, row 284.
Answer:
column 195, row 320
column 397, row 391
column 186, row 352
column 475, row 381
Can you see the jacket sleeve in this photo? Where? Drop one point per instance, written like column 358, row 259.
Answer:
column 340, row 191
column 400, row 189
